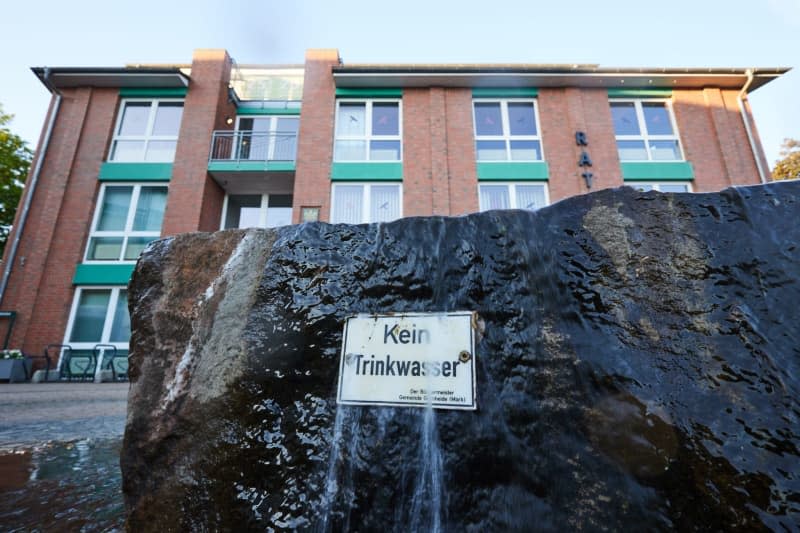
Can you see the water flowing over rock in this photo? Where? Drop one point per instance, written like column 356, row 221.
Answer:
column 639, row 368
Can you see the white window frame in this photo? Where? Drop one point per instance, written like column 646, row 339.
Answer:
column 506, row 136
column 107, row 324
column 366, row 207
column 368, row 137
column 271, row 135
column 656, row 185
column 125, row 233
column 147, row 137
column 644, row 135
column 512, row 192
column 263, row 209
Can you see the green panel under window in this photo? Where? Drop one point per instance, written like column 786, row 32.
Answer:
column 513, row 171
column 657, row 170
column 499, row 92
column 267, row 111
column 345, row 92
column 135, row 171
column 639, row 93
column 118, row 274
column 164, row 92
column 251, row 166
column 367, row 172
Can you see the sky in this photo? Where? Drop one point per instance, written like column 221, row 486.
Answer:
column 611, row 33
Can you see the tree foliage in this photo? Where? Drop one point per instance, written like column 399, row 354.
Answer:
column 788, row 167
column 15, row 160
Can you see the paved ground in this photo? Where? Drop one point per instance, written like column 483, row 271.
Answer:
column 32, row 413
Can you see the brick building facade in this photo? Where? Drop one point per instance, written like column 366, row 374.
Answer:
column 132, row 154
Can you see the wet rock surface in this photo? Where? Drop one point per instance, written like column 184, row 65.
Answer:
column 639, row 369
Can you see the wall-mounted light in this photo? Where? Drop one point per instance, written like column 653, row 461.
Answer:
column 228, row 120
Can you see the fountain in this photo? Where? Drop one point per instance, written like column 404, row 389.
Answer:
column 637, row 366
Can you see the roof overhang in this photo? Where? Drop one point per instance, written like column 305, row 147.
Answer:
column 591, row 76
column 150, row 77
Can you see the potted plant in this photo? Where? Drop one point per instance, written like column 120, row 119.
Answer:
column 14, row 366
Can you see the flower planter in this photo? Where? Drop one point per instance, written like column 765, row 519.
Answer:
column 13, row 370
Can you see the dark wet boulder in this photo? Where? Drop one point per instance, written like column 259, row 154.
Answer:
column 639, row 369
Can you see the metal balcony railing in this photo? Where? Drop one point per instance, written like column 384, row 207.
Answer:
column 253, row 146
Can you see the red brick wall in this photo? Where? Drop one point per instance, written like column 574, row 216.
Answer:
column 418, row 180
column 439, row 172
column 312, row 185
column 714, row 138
column 697, row 127
column 563, row 112
column 195, row 200
column 40, row 287
column 461, row 166
column 743, row 163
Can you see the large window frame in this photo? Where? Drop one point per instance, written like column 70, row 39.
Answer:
column 148, row 138
column 368, row 137
column 114, row 293
column 648, row 139
column 513, row 197
column 366, row 201
column 127, row 234
column 506, row 136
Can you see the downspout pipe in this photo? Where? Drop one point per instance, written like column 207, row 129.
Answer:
column 748, row 128
column 31, row 188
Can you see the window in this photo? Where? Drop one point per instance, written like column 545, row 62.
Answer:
column 365, row 202
column 147, row 130
column 645, row 130
column 512, row 196
column 127, row 218
column 506, row 130
column 99, row 315
column 256, row 211
column 670, row 186
column 368, row 130
column 267, row 138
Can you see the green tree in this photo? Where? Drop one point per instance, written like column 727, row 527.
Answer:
column 789, row 167
column 15, row 160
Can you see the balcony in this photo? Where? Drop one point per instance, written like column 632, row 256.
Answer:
column 240, row 159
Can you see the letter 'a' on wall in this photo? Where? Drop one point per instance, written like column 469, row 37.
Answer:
column 415, row 359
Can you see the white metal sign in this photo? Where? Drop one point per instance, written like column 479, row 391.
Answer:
column 412, row 359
